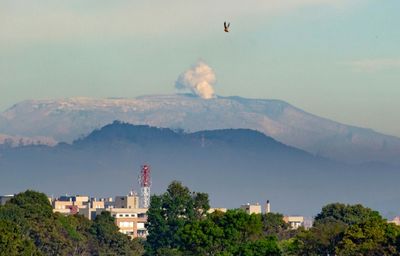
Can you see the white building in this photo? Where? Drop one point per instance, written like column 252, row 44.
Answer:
column 251, row 208
column 294, row 221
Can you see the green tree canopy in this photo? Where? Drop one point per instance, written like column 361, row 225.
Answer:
column 372, row 237
column 232, row 233
column 168, row 213
column 13, row 242
column 349, row 230
column 28, row 226
column 348, row 214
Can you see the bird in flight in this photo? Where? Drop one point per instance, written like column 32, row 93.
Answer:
column 226, row 27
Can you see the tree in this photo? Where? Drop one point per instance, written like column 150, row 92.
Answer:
column 348, row 214
column 349, row 230
column 34, row 216
column 273, row 225
column 261, row 247
column 201, row 204
column 232, row 233
column 168, row 213
column 106, row 233
column 33, row 204
column 13, row 242
column 321, row 239
column 28, row 226
column 202, row 237
column 372, row 237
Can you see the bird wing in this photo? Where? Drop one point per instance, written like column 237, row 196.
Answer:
column 225, row 24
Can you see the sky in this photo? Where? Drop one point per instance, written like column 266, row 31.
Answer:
column 338, row 59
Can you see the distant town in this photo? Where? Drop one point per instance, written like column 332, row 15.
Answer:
column 130, row 217
column 130, row 211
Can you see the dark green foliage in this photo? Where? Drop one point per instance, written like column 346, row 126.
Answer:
column 349, row 230
column 168, row 213
column 372, row 237
column 261, row 247
column 232, row 233
column 13, row 242
column 201, row 204
column 273, row 225
column 111, row 240
column 348, row 214
column 321, row 239
column 178, row 225
column 202, row 237
column 28, row 226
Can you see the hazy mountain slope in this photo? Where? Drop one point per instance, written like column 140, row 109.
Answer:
column 234, row 166
column 65, row 120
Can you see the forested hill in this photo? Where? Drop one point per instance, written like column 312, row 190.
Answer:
column 235, row 165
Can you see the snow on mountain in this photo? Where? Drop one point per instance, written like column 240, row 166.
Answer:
column 69, row 119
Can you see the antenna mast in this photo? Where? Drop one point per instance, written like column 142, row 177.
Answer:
column 145, row 184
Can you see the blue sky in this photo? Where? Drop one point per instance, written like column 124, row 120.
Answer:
column 334, row 58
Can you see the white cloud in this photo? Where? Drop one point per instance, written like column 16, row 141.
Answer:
column 372, row 65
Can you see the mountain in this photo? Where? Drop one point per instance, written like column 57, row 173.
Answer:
column 68, row 119
column 234, row 166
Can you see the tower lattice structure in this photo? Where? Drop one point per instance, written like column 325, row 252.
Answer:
column 145, row 184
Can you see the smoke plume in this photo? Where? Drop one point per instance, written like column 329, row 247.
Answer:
column 199, row 80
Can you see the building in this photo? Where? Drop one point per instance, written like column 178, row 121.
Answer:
column 294, row 221
column 80, row 201
column 131, row 221
column 251, row 208
column 70, row 204
column 92, row 206
column 4, row 199
column 131, row 201
column 129, row 218
column 395, row 220
column 211, row 210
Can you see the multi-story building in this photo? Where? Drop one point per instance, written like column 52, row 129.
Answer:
column 294, row 221
column 70, row 204
column 130, row 201
column 80, row 201
column 251, row 208
column 128, row 216
column 131, row 221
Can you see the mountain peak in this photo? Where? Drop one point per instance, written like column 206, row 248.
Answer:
column 71, row 118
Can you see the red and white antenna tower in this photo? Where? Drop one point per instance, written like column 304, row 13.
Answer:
column 145, row 184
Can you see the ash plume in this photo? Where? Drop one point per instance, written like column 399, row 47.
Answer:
column 199, row 79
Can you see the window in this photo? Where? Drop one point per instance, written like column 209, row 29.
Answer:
column 126, row 224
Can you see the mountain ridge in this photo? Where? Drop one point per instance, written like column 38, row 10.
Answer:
column 235, row 165
column 69, row 119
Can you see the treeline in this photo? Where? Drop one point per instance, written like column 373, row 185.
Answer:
column 178, row 224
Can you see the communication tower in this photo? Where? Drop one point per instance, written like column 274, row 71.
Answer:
column 145, row 184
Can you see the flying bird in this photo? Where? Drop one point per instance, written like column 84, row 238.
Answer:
column 226, row 27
